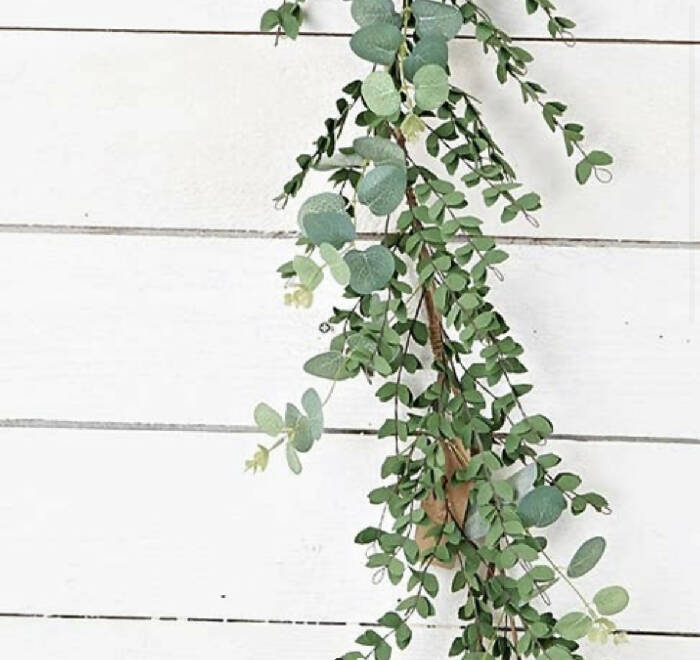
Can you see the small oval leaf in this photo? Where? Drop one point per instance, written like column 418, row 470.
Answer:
column 339, row 269
column 333, row 227
column 435, row 19
column 611, row 600
column 313, row 406
column 366, row 12
column 430, row 50
column 432, row 86
column 586, row 557
column 380, row 151
column 321, row 203
column 574, row 625
column 329, row 365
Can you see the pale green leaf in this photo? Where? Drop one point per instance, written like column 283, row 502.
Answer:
column 432, row 86
column 330, row 365
column 313, row 406
column 382, row 189
column 268, row 420
column 380, row 151
column 321, row 203
column 380, row 94
column 370, row 270
column 336, row 264
column 611, row 600
column 366, row 12
column 310, row 275
column 293, row 459
column 332, row 227
column 574, row 625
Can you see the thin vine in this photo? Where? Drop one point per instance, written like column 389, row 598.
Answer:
column 466, row 484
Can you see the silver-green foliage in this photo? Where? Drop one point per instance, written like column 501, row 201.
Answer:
column 458, row 424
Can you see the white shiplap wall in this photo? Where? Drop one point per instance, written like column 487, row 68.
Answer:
column 143, row 320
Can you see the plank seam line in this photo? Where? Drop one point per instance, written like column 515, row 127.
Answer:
column 238, row 429
column 280, row 622
column 330, row 35
column 210, row 232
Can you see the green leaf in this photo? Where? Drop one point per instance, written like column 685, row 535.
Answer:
column 430, row 50
column 574, row 625
column 268, row 419
column 310, row 275
column 290, row 24
column 382, row 189
column 293, row 459
column 370, row 270
column 270, row 20
column 377, row 43
column 542, row 506
column 299, row 427
column 313, row 406
column 380, row 151
column 586, row 557
column 611, row 600
column 435, row 19
column 523, row 480
column 336, row 264
column 380, row 94
column 338, row 160
column 322, row 203
column 330, row 365
column 599, row 158
column 366, row 12
column 432, row 86
column 583, row 171
column 331, row 227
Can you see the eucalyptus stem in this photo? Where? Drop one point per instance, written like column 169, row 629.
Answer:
column 459, row 428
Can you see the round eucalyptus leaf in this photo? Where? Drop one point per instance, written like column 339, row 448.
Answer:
column 382, row 189
column 380, row 151
column 299, row 428
column 435, row 19
column 321, row 203
column 377, row 43
column 313, row 406
column 586, row 557
column 329, row 227
column 380, row 94
column 329, row 365
column 432, row 86
column 574, row 625
column 611, row 600
column 475, row 527
column 293, row 459
column 337, row 161
column 336, row 264
column 541, row 507
column 309, row 274
column 268, row 419
column 366, row 12
column 430, row 50
column 370, row 270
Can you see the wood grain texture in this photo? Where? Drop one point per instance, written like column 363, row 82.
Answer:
column 173, row 330
column 115, row 523
column 115, row 640
column 164, row 131
column 596, row 18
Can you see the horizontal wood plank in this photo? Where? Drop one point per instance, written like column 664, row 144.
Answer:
column 122, row 130
column 191, row 331
column 596, row 18
column 117, row 640
column 117, row 523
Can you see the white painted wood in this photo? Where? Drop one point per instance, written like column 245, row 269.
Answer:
column 158, row 524
column 117, row 640
column 154, row 130
column 194, row 330
column 596, row 18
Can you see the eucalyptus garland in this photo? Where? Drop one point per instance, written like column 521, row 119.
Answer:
column 466, row 484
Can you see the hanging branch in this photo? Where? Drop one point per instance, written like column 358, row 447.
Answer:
column 466, row 485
